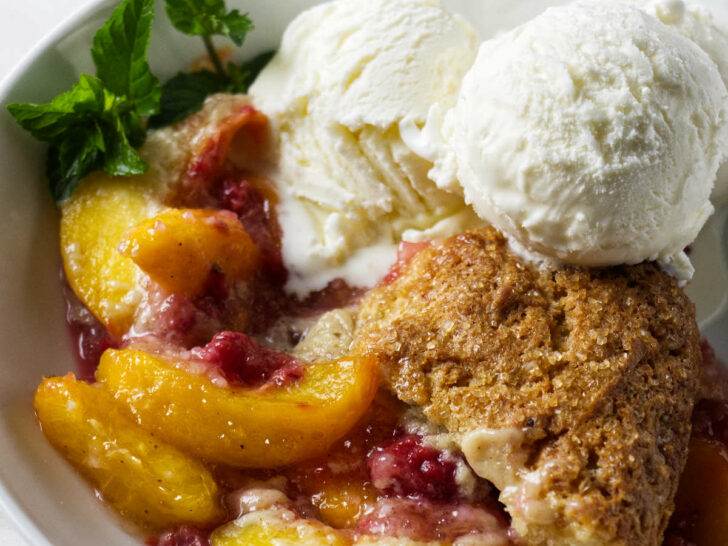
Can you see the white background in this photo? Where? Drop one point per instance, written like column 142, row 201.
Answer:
column 23, row 23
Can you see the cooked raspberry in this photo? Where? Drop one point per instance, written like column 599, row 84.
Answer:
column 259, row 220
column 184, row 535
column 708, row 353
column 89, row 337
column 243, row 361
column 407, row 467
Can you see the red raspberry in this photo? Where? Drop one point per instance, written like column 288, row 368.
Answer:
column 407, row 467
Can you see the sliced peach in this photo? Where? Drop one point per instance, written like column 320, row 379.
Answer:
column 702, row 497
column 93, row 222
column 178, row 248
column 239, row 426
column 146, row 480
column 278, row 527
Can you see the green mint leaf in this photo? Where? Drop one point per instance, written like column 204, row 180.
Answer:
column 184, row 94
column 134, row 128
column 122, row 159
column 68, row 163
column 249, row 70
column 120, row 54
column 97, row 124
column 50, row 121
column 208, row 18
column 235, row 25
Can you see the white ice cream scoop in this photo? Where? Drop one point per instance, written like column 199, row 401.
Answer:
column 706, row 24
column 591, row 135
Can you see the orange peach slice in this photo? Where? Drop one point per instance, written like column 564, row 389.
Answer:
column 93, row 222
column 239, row 426
column 147, row 481
column 276, row 527
column 178, row 248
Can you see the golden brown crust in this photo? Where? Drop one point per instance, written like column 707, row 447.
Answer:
column 600, row 367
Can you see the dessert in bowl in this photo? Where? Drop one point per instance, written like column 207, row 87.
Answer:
column 502, row 376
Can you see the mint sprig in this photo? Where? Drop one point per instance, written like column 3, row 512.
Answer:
column 120, row 55
column 208, row 18
column 185, row 93
column 97, row 124
column 100, row 122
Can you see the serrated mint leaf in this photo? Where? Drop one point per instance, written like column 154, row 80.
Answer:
column 195, row 17
column 68, row 163
column 97, row 124
column 122, row 159
column 49, row 121
column 208, row 18
column 184, row 94
column 134, row 128
column 120, row 54
column 235, row 25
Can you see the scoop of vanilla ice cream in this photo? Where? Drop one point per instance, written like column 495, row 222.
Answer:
column 347, row 73
column 592, row 135
column 699, row 22
column 695, row 21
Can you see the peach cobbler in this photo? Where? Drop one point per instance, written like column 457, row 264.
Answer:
column 410, row 289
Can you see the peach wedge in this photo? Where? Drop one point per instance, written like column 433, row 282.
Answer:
column 93, row 221
column 276, row 526
column 243, row 427
column 178, row 248
column 151, row 483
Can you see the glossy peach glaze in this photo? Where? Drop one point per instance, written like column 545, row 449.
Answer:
column 179, row 248
column 146, row 480
column 241, row 426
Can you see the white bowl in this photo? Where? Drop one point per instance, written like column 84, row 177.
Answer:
column 43, row 495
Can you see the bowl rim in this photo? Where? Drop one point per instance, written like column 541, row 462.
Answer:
column 15, row 514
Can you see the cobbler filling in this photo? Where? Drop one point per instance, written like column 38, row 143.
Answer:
column 380, row 479
column 377, row 480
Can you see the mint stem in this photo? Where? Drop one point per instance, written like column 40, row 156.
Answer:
column 213, row 56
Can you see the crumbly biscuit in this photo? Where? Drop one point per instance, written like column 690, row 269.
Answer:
column 596, row 369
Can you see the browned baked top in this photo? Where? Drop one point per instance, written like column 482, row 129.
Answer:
column 599, row 367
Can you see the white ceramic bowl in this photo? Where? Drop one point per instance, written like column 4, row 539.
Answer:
column 44, row 496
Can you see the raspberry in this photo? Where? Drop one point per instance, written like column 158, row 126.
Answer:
column 243, row 361
column 407, row 467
